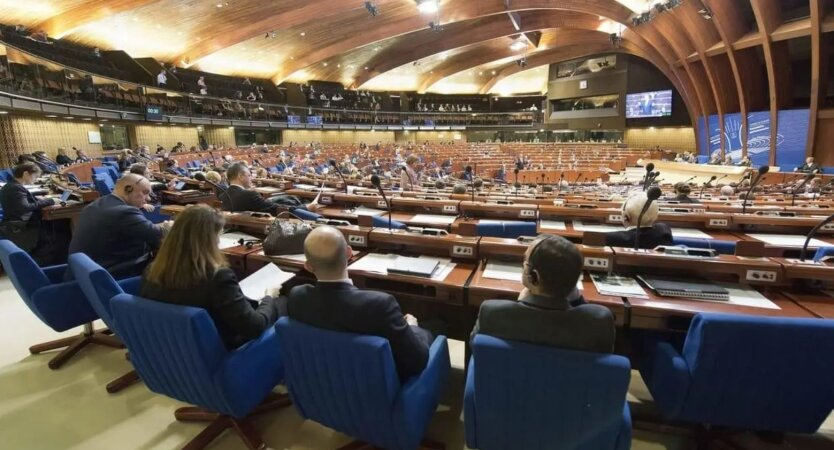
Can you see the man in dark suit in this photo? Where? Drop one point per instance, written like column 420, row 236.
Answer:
column 46, row 245
column 651, row 234
column 239, row 196
column 550, row 311
column 809, row 166
column 334, row 303
column 113, row 232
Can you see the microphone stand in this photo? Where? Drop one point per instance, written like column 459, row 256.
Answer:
column 375, row 181
column 811, row 234
column 341, row 175
column 706, row 184
column 753, row 186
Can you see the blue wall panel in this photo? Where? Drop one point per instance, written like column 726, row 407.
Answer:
column 714, row 134
column 703, row 136
column 793, row 137
column 758, row 137
column 732, row 135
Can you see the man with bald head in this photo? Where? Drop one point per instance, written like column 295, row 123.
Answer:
column 113, row 231
column 335, row 304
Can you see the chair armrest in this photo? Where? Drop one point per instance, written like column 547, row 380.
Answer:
column 668, row 379
column 469, row 418
column 55, row 273
column 258, row 360
column 419, row 396
column 131, row 285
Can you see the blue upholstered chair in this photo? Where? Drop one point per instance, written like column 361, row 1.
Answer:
column 822, row 252
column 532, row 397
column 156, row 215
column 723, row 247
column 60, row 305
column 104, row 185
column 506, row 229
column 6, row 175
column 749, row 372
column 348, row 382
column 303, row 214
column 381, row 221
column 178, row 352
column 99, row 287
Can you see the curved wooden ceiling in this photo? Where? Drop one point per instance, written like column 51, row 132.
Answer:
column 715, row 64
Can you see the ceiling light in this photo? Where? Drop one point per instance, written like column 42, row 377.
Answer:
column 427, row 6
column 325, row 64
column 4, row 112
column 51, row 116
column 87, row 118
column 69, row 117
column 518, row 45
column 219, row 5
column 303, row 34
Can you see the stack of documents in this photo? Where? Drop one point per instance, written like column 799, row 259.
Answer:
column 617, row 286
column 509, row 271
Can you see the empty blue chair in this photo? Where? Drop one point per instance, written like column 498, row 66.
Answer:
column 822, row 252
column 104, row 184
column 101, row 170
column 113, row 171
column 506, row 229
column 348, row 382
column 749, row 372
column 178, row 352
column 60, row 305
column 6, row 175
column 723, row 247
column 100, row 287
column 532, row 397
column 304, row 214
column 381, row 221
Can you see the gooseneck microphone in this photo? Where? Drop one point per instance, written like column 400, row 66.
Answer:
column 652, row 194
column 762, row 171
column 796, row 189
column 649, row 168
column 341, row 175
column 811, row 235
column 578, row 176
column 706, row 184
column 696, row 176
column 375, row 181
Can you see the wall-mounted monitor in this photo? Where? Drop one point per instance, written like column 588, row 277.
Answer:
column 649, row 104
column 153, row 113
column 314, row 120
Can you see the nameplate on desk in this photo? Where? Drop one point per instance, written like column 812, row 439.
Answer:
column 527, row 213
column 615, row 218
column 381, row 204
column 326, row 200
column 450, row 209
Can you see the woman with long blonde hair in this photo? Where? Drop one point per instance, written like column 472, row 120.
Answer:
column 190, row 270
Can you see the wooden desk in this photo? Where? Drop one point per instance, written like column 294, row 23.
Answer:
column 817, row 303
column 187, row 197
column 58, row 212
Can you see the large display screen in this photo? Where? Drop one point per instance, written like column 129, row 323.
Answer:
column 649, row 104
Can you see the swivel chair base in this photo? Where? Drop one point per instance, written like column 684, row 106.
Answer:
column 424, row 445
column 75, row 344
column 219, row 423
column 123, row 381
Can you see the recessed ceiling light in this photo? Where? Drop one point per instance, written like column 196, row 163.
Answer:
column 518, row 45
column 339, row 66
column 51, row 116
column 4, row 112
column 87, row 118
column 69, row 117
column 219, row 5
column 325, row 64
column 366, row 67
column 303, row 34
column 480, row 73
column 427, row 6
column 493, row 72
column 103, row 120
column 376, row 49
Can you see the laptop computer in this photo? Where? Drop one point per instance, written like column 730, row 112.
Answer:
column 179, row 186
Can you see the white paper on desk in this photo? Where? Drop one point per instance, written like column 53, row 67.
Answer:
column 269, row 276
column 365, row 211
column 787, row 240
column 490, row 222
column 229, row 240
column 433, row 219
column 503, row 271
column 374, row 262
column 744, row 296
column 552, row 225
column 690, row 233
column 444, row 267
column 579, row 226
column 304, row 186
column 618, row 286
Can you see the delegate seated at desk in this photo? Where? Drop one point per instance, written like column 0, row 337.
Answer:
column 190, row 270
column 239, row 196
column 547, row 313
column 142, row 170
column 21, row 205
column 334, row 303
column 114, row 233
column 651, row 234
column 682, row 191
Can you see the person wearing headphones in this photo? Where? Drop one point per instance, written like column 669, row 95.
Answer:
column 549, row 310
column 114, row 233
column 651, row 234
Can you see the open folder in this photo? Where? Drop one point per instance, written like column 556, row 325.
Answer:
column 269, row 276
column 419, row 267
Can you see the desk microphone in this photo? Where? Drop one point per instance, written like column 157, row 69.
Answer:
column 808, row 178
column 692, row 178
column 378, row 185
column 762, row 171
column 579, row 175
column 341, row 175
column 652, row 194
column 649, row 168
column 811, row 234
column 707, row 184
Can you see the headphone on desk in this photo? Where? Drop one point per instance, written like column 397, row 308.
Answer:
column 249, row 243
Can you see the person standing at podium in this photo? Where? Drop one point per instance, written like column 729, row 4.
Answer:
column 334, row 303
column 550, row 310
column 651, row 234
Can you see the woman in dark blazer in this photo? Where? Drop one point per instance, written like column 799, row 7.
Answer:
column 190, row 270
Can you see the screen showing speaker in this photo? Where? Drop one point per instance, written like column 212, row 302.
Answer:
column 649, row 104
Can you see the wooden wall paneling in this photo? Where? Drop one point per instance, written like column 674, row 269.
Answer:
column 818, row 73
column 697, row 39
column 768, row 17
column 9, row 146
column 824, row 142
column 31, row 133
column 219, row 136
column 680, row 139
column 165, row 135
column 85, row 12
column 731, row 27
column 337, row 137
